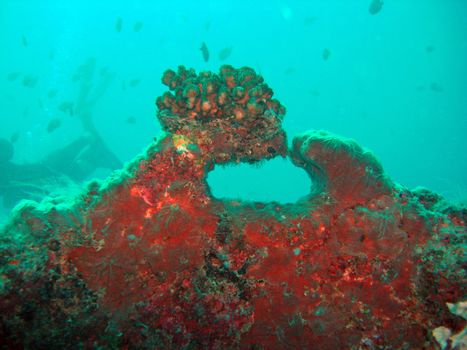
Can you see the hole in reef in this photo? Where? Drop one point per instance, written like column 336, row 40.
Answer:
column 273, row 180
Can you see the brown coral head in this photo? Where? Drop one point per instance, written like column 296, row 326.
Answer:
column 231, row 115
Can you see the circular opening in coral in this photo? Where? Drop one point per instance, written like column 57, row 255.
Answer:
column 275, row 180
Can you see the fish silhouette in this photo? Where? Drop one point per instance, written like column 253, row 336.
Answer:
column 137, row 26
column 225, row 53
column 205, row 51
column 53, row 125
column 119, row 25
column 375, row 6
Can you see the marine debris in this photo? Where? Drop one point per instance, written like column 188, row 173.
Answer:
column 150, row 260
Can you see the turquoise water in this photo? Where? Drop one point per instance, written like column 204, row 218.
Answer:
column 395, row 81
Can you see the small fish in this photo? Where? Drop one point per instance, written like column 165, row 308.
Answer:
column 326, row 54
column 51, row 55
column 375, row 6
column 24, row 40
column 119, row 25
column 204, row 51
column 13, row 76
column 137, row 26
column 130, row 120
column 15, row 137
column 436, row 87
column 309, row 20
column 30, row 81
column 225, row 53
column 289, row 71
column 207, row 25
column 53, row 125
column 430, row 48
column 315, row 92
column 66, row 107
column 134, row 82
column 52, row 93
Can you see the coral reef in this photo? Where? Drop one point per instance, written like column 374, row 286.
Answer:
column 230, row 116
column 150, row 259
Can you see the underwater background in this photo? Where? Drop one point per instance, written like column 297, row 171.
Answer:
column 395, row 80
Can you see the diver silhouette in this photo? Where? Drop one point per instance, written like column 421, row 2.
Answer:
column 76, row 161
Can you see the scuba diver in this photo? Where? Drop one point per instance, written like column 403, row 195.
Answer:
column 73, row 163
column 76, row 161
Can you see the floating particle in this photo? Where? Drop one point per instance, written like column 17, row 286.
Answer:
column 225, row 53
column 119, row 25
column 52, row 93
column 204, row 51
column 326, row 54
column 134, row 82
column 13, row 76
column 66, row 107
column 137, row 26
column 375, row 6
column 436, row 87
column 53, row 125
column 30, row 81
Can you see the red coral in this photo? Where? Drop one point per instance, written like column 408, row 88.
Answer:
column 358, row 264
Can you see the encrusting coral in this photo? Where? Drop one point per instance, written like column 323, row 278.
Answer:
column 150, row 259
column 231, row 115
